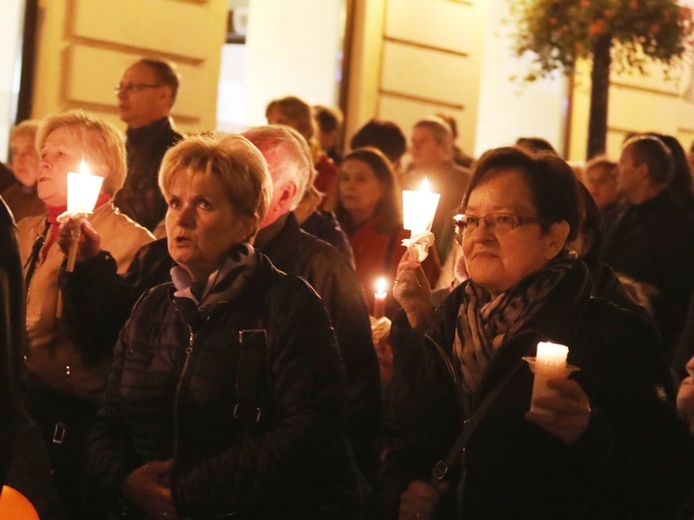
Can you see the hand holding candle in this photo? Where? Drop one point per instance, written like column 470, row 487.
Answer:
column 419, row 208
column 82, row 193
column 550, row 363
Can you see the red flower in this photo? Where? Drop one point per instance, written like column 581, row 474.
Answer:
column 598, row 27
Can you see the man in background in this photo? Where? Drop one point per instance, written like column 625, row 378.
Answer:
column 431, row 148
column 146, row 94
column 653, row 239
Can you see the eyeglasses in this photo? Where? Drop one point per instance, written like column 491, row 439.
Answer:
column 499, row 223
column 133, row 87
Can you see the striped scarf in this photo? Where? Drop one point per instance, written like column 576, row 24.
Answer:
column 485, row 323
column 222, row 285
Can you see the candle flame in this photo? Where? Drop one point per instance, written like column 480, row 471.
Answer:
column 425, row 185
column 381, row 285
column 84, row 169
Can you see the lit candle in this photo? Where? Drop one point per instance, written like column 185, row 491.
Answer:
column 82, row 193
column 551, row 354
column 380, row 298
column 549, row 363
column 419, row 208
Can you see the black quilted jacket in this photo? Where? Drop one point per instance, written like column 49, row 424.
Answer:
column 172, row 392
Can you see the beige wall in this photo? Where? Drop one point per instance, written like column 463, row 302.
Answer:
column 85, row 45
column 415, row 58
column 637, row 103
column 410, row 58
column 292, row 48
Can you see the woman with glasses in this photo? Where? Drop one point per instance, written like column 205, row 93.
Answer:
column 607, row 444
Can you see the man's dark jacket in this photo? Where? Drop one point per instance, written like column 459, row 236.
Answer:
column 653, row 243
column 140, row 197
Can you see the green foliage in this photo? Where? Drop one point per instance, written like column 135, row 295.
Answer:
column 559, row 32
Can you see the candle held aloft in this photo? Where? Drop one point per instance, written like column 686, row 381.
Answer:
column 419, row 208
column 82, row 193
column 82, row 190
column 380, row 298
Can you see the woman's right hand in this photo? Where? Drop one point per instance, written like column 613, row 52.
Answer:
column 148, row 489
column 412, row 291
column 89, row 239
column 420, row 500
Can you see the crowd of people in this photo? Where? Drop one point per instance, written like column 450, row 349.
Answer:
column 217, row 350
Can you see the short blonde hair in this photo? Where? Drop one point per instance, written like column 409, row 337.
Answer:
column 27, row 128
column 232, row 159
column 102, row 144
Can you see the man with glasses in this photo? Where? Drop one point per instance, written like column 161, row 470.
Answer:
column 146, row 95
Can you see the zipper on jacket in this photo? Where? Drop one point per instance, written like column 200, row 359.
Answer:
column 179, row 385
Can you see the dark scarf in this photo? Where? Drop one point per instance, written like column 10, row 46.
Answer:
column 197, row 300
column 485, row 323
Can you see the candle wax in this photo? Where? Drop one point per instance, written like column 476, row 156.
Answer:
column 551, row 353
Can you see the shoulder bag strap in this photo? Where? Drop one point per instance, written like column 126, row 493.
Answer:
column 250, row 375
column 35, row 254
column 441, row 468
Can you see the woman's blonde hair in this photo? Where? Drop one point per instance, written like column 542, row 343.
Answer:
column 102, row 144
column 28, row 128
column 232, row 159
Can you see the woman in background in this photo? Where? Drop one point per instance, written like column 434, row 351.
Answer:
column 21, row 196
column 67, row 373
column 369, row 210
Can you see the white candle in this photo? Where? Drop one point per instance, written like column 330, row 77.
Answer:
column 419, row 208
column 551, row 354
column 380, row 298
column 82, row 193
column 82, row 190
column 550, row 363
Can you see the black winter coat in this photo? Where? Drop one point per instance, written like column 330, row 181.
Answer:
column 635, row 459
column 173, row 390
column 97, row 302
column 140, row 197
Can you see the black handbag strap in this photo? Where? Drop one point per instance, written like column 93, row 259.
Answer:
column 441, row 468
column 250, row 375
column 33, row 259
